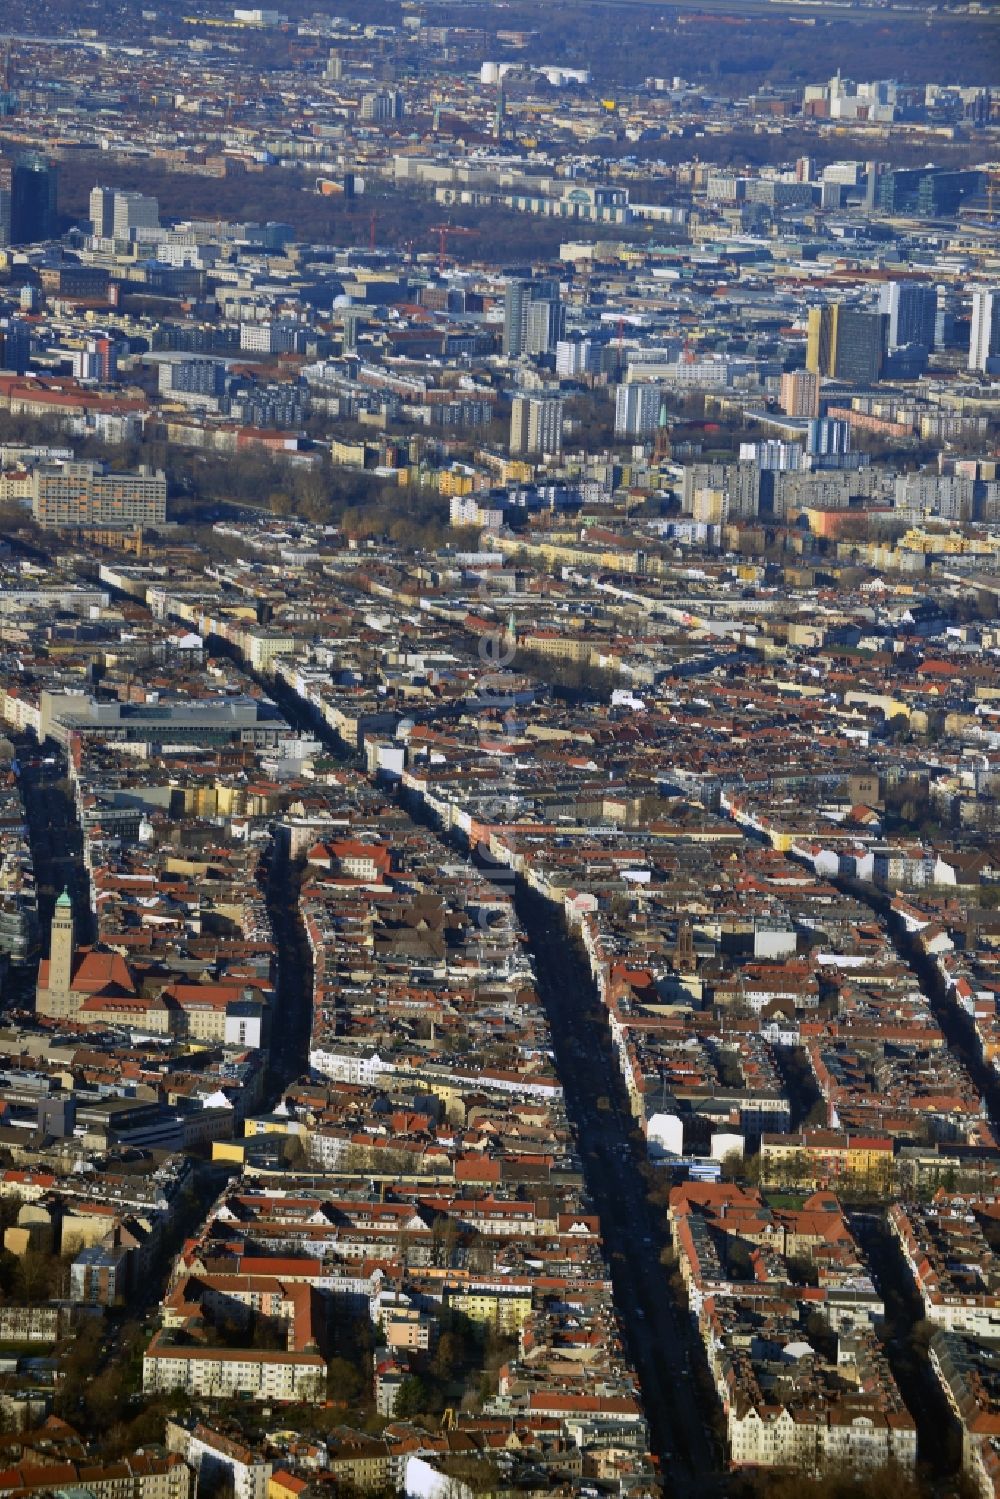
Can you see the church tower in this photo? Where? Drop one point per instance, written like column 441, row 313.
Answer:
column 62, row 948
column 685, row 959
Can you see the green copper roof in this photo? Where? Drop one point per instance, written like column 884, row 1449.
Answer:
column 64, row 899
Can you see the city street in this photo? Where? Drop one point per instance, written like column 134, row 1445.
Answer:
column 656, row 1328
column 57, row 855
column 56, row 843
column 289, row 1057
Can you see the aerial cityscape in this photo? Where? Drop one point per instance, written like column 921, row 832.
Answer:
column 499, row 749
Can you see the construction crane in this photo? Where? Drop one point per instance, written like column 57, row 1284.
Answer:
column 992, row 186
column 443, row 231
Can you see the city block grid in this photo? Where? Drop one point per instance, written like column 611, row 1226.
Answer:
column 499, row 639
